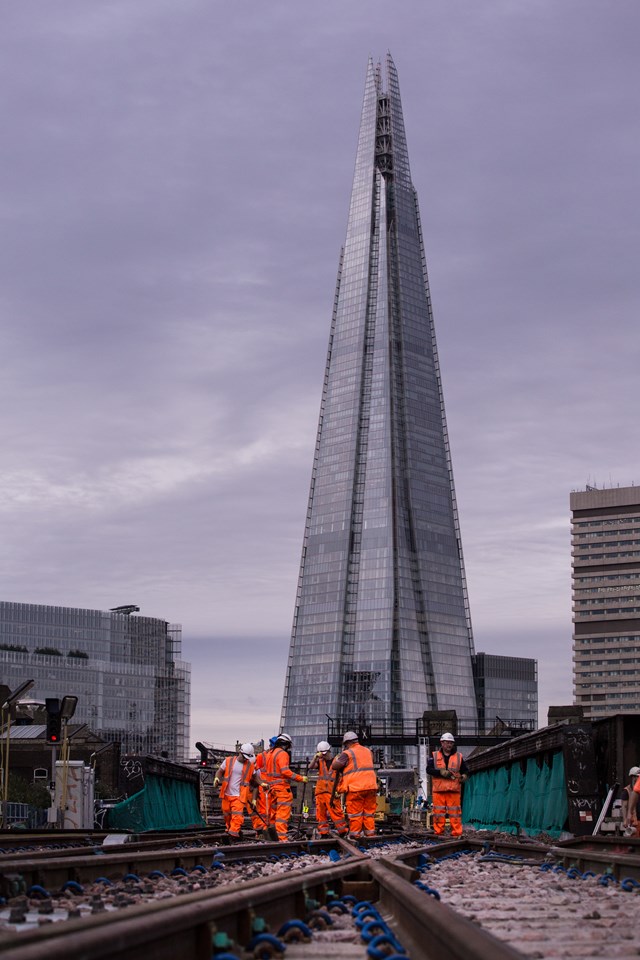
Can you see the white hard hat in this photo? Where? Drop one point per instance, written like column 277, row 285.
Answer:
column 350, row 735
column 447, row 737
column 634, row 771
column 247, row 751
column 323, row 746
column 285, row 737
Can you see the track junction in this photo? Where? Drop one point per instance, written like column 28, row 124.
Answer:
column 193, row 896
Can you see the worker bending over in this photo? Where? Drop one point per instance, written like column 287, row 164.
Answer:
column 448, row 771
column 276, row 776
column 327, row 804
column 357, row 779
column 237, row 777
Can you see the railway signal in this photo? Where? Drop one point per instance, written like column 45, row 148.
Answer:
column 204, row 754
column 54, row 720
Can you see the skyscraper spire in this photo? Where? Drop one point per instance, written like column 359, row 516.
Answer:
column 381, row 627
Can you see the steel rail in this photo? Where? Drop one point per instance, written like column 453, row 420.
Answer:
column 618, row 865
column 53, row 872
column 83, row 864
column 585, row 855
column 131, row 846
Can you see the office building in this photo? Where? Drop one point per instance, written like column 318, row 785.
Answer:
column 125, row 670
column 605, row 550
column 381, row 626
column 506, row 692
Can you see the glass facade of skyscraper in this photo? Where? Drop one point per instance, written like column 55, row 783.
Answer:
column 381, row 626
column 125, row 670
column 506, row 691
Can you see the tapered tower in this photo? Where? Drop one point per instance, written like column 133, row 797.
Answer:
column 381, row 629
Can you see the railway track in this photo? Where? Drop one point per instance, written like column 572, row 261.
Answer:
column 22, row 840
column 405, row 897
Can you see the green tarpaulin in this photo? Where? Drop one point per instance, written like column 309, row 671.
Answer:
column 505, row 798
column 162, row 804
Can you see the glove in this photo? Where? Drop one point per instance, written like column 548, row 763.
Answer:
column 216, row 782
column 254, row 804
column 305, row 779
column 463, row 777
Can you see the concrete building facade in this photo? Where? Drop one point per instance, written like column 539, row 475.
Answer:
column 605, row 550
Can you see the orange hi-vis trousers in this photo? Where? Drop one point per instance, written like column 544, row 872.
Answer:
column 447, row 803
column 325, row 809
column 361, row 808
column 280, row 800
column 233, row 813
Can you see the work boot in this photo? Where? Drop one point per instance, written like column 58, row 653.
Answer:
column 273, row 833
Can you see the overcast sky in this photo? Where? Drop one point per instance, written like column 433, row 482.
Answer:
column 174, row 185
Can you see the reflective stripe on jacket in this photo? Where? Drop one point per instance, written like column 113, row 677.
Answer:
column 326, row 777
column 276, row 768
column 247, row 772
column 359, row 773
column 442, row 784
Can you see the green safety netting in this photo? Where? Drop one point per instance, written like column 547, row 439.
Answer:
column 508, row 798
column 161, row 805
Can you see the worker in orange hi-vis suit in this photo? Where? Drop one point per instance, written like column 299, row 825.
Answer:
column 268, row 826
column 326, row 803
column 237, row 777
column 276, row 776
column 358, row 780
column 448, row 771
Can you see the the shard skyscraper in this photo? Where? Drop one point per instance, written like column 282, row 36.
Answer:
column 381, row 629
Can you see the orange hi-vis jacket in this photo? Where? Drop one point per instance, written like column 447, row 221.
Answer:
column 359, row 773
column 443, row 785
column 326, row 777
column 275, row 768
column 247, row 772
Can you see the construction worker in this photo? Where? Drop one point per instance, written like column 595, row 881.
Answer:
column 237, row 777
column 257, row 805
column 260, row 812
column 276, row 776
column 629, row 803
column 327, row 804
column 448, row 770
column 357, row 779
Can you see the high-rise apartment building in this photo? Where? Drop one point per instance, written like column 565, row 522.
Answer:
column 605, row 539
column 381, row 627
column 126, row 671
